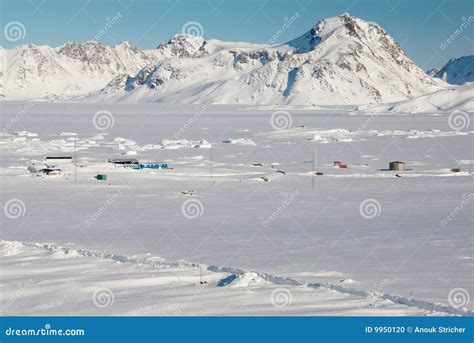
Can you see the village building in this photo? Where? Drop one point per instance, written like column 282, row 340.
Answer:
column 55, row 160
column 51, row 172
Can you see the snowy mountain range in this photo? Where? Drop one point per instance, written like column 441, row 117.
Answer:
column 31, row 71
column 457, row 71
column 341, row 60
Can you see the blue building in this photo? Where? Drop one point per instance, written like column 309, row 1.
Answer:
column 153, row 165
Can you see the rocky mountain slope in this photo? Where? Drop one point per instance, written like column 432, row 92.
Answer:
column 31, row 71
column 341, row 60
column 457, row 71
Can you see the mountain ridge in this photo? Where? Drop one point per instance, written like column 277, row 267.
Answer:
column 456, row 71
column 341, row 60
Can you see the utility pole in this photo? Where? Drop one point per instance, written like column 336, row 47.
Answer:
column 75, row 158
column 211, row 166
column 200, row 271
column 315, row 156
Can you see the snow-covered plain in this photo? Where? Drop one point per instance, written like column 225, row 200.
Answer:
column 242, row 204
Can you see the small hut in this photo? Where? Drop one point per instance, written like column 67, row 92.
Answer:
column 101, row 177
column 125, row 163
column 397, row 165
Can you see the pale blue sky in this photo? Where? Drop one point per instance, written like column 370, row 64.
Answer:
column 420, row 26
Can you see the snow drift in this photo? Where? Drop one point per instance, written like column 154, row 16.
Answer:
column 453, row 99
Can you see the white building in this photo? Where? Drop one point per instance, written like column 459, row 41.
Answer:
column 51, row 172
column 55, row 160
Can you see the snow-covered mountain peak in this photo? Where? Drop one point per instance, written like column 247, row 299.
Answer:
column 125, row 44
column 32, row 71
column 183, row 45
column 457, row 71
column 323, row 30
column 341, row 60
column 344, row 22
column 347, row 34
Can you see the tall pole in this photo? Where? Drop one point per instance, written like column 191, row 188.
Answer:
column 75, row 159
column 211, row 166
column 200, row 271
column 314, row 168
